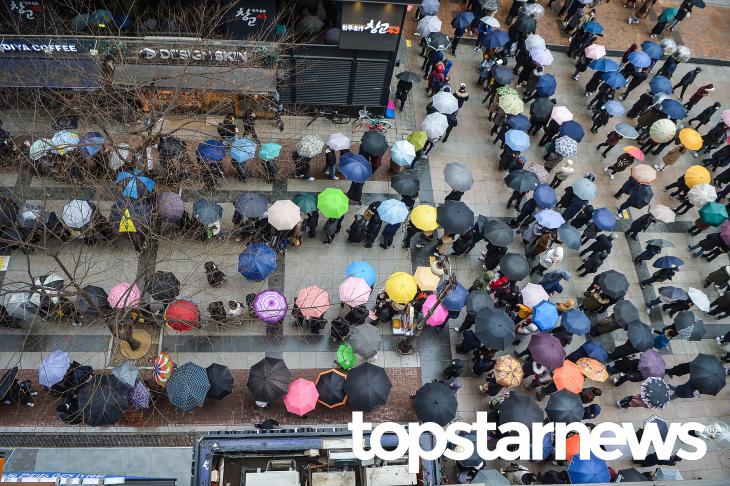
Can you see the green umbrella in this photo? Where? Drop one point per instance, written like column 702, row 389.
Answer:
column 506, row 90
column 346, row 357
column 668, row 14
column 306, row 201
column 713, row 213
column 332, row 203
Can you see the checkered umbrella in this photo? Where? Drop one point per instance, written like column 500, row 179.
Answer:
column 365, row 340
column 188, row 386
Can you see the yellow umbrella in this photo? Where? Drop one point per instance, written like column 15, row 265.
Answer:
column 697, row 174
column 418, row 139
column 426, row 279
column 508, row 371
column 423, row 217
column 592, row 369
column 690, row 138
column 401, row 287
column 511, row 104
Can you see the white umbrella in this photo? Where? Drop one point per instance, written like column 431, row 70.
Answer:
column 284, row 215
column 490, row 21
column 699, row 298
column 309, row 146
column 534, row 41
column 701, row 194
column 535, row 9
column 662, row 131
column 338, row 141
column 428, row 24
column 435, row 125
column 542, row 56
column 77, row 213
column 40, row 148
column 533, row 294
column 668, row 45
column 445, row 102
column 402, row 152
column 120, row 155
column 663, row 213
column 683, row 53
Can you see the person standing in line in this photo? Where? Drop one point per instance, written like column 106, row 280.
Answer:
column 640, row 225
column 661, row 275
column 563, row 173
column 639, row 76
column 592, row 263
column 330, row 164
column 453, row 122
column 461, row 95
column 685, row 11
column 456, row 38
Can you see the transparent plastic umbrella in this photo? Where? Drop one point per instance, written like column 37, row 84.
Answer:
column 445, row 102
column 435, row 125
column 428, row 24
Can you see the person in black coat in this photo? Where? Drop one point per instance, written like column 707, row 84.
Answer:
column 583, row 217
column 526, row 212
column 339, row 329
column 330, row 164
column 354, row 193
column 605, row 93
column 650, row 251
column 661, row 275
column 492, row 255
column 401, row 92
column 641, row 105
column 600, row 119
column 637, row 78
column 705, row 116
column 507, row 158
column 686, row 81
column 592, row 263
column 466, row 241
column 454, row 195
column 551, row 132
column 719, row 158
column 593, row 83
column 603, row 243
column 331, row 227
column 356, row 231
column 309, row 224
column 639, row 225
column 454, row 370
column 469, row 342
column 374, row 224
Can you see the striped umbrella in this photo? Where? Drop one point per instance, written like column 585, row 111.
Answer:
column 270, row 306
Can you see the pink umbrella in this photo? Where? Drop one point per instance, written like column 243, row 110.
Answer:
column 595, row 51
column 124, row 294
column 726, row 117
column 439, row 315
column 313, row 301
column 542, row 56
column 354, row 291
column 301, row 397
column 561, row 114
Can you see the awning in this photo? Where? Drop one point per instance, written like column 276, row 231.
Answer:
column 24, row 72
column 213, row 78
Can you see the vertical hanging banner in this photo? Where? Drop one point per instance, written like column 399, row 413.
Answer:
column 250, row 19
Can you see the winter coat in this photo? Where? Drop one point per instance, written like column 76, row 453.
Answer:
column 356, row 231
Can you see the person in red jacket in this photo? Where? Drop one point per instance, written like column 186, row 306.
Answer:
column 701, row 92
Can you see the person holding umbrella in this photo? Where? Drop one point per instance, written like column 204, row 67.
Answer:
column 662, row 275
column 638, row 77
column 404, row 86
column 624, row 161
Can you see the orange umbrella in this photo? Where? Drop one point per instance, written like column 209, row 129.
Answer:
column 569, row 377
column 697, row 174
column 508, row 371
column 635, row 152
column 643, row 174
column 572, row 446
column 592, row 369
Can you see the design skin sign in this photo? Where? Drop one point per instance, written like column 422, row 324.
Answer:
column 371, row 26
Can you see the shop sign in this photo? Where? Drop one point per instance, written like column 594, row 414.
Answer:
column 29, row 10
column 249, row 18
column 18, row 46
column 170, row 54
column 371, row 26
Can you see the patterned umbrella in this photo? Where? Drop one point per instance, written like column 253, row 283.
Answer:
column 566, row 146
column 508, row 371
column 162, row 368
column 540, row 171
column 592, row 369
column 170, row 206
column 124, row 294
column 651, row 363
column 393, row 211
column 365, row 340
column 39, row 149
column 655, row 393
column 688, row 326
column 140, row 396
column 313, row 301
column 511, row 104
column 65, row 141
column 702, row 194
column 309, row 146
column 505, row 91
column 188, row 386
column 270, row 306
column 269, row 380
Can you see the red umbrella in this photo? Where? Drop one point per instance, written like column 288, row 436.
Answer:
column 302, row 397
column 182, row 315
column 635, row 152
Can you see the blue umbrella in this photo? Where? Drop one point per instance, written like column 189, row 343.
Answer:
column 593, row 27
column 591, row 470
column 549, row 219
column 207, row 211
column 652, row 49
column 660, row 84
column 545, row 315
column 569, row 236
column 545, row 196
column 604, row 218
column 603, row 64
column 135, row 183
column 257, row 261
column 269, row 151
column 546, row 86
column 576, row 322
column 614, row 108
column 363, row 270
column 251, row 205
column 518, row 122
column 614, row 79
column 673, row 109
column 91, row 144
column 494, row 39
column 393, row 211
column 463, row 20
column 517, row 140
column 355, row 167
column 430, row 7
column 572, row 129
column 456, row 299
column 211, row 150
column 243, row 149
column 673, row 293
column 640, row 59
column 595, row 351
column 668, row 262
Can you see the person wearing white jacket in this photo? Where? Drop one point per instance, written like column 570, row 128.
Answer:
column 566, row 170
column 547, row 259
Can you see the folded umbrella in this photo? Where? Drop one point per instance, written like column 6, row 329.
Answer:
column 458, row 177
column 673, row 109
column 545, row 315
column 403, row 153
column 614, row 108
column 521, row 180
column 651, row 363
column 660, row 84
column 641, row 59
column 517, row 140
column 572, row 129
column 561, row 114
column 689, row 326
column 497, row 232
column 545, row 196
column 576, row 322
column 614, row 79
column 393, row 211
column 533, row 294
column 405, row 184
column 566, row 146
column 514, row 266
column 707, row 374
column 549, row 219
column 494, row 328
column 699, row 298
column 435, row 402
column 455, row 217
column 569, row 236
column 662, row 131
column 604, row 64
column 435, row 125
column 546, row 350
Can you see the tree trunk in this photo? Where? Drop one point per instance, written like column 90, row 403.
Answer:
column 125, row 334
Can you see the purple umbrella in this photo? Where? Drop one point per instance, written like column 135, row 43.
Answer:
column 170, row 206
column 139, row 396
column 547, row 350
column 270, row 306
column 651, row 363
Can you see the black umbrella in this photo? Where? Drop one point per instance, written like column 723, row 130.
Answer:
column 438, row 41
column 93, row 301
column 494, row 328
column 624, row 312
column 521, row 180
column 478, row 300
column 409, row 77
column 405, row 184
column 520, row 408
column 613, row 284
column 103, row 400
column 514, row 266
column 7, row 381
column 374, row 143
column 707, row 374
column 661, row 424
column 689, row 326
column 542, row 108
column 331, row 388
column 435, row 402
column 525, row 25
column 163, row 286
column 269, row 380
column 497, row 232
column 502, row 75
column 630, row 475
column 171, row 148
column 455, row 217
column 640, row 196
column 564, row 406
column 640, row 336
column 367, row 387
column 221, row 381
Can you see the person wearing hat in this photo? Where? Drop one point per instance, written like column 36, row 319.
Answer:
column 461, row 95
